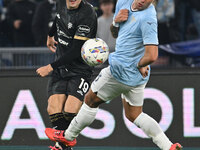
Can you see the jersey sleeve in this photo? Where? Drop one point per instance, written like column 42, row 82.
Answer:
column 52, row 30
column 149, row 29
column 117, row 8
column 86, row 26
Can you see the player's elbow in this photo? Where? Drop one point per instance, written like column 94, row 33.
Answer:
column 153, row 58
column 151, row 53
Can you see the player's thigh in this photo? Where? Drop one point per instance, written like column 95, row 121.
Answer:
column 135, row 96
column 56, row 85
column 131, row 112
column 106, row 87
column 56, row 92
column 133, row 101
column 73, row 104
column 56, row 103
column 76, row 90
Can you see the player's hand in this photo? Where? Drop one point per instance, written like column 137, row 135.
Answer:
column 122, row 16
column 51, row 44
column 144, row 71
column 44, row 71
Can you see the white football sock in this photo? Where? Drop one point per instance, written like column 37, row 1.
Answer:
column 84, row 118
column 153, row 130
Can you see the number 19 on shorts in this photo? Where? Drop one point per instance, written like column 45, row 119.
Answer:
column 84, row 85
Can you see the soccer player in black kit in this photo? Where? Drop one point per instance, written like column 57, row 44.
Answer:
column 76, row 22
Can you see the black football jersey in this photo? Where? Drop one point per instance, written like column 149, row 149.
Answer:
column 81, row 22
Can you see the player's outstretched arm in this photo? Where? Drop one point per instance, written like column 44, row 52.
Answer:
column 67, row 58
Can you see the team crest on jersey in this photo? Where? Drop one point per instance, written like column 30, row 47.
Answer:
column 133, row 19
column 70, row 25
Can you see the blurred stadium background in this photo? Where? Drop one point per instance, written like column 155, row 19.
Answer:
column 171, row 97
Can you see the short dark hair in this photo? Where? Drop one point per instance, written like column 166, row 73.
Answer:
column 105, row 1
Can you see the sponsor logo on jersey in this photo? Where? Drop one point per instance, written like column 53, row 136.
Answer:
column 62, row 42
column 84, row 29
column 61, row 33
column 80, row 92
column 70, row 25
column 133, row 19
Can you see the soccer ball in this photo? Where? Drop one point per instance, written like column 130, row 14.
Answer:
column 95, row 52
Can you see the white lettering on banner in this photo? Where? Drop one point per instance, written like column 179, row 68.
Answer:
column 24, row 99
column 188, row 114
column 166, row 107
column 109, row 125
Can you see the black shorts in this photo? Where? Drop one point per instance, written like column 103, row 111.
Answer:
column 76, row 86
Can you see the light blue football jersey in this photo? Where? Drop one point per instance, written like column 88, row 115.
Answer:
column 139, row 30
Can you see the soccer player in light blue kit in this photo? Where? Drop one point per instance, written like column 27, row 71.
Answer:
column 135, row 26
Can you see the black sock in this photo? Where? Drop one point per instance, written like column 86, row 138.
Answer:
column 69, row 117
column 61, row 121
column 58, row 121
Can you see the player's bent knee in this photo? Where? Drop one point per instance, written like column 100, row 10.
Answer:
column 54, row 106
column 88, row 99
column 131, row 116
column 50, row 109
column 92, row 100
